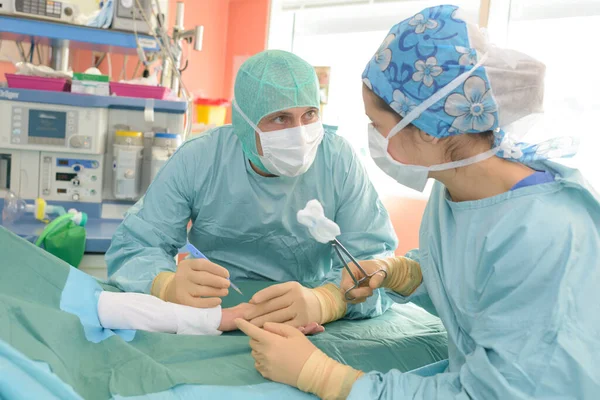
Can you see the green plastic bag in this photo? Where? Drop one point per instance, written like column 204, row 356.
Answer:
column 66, row 241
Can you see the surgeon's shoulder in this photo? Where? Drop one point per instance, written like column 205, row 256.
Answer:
column 211, row 138
column 541, row 238
column 204, row 147
column 335, row 147
column 554, row 216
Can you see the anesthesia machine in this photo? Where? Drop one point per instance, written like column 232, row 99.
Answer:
column 69, row 148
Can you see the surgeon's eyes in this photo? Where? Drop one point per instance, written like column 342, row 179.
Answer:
column 281, row 119
column 312, row 114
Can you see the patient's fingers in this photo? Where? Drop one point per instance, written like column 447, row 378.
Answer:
column 312, row 329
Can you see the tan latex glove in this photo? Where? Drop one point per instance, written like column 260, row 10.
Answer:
column 282, row 354
column 297, row 306
column 229, row 315
column 403, row 277
column 326, row 378
column 196, row 283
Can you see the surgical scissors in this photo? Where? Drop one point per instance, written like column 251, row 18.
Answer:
column 339, row 248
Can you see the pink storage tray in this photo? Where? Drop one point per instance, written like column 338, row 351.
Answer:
column 37, row 83
column 140, row 91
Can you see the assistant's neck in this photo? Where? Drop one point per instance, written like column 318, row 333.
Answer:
column 485, row 179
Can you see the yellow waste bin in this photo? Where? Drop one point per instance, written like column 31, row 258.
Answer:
column 211, row 111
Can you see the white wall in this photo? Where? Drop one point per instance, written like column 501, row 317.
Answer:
column 566, row 43
column 345, row 38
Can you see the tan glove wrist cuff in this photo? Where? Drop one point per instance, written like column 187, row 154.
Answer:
column 331, row 299
column 326, row 378
column 404, row 275
column 161, row 283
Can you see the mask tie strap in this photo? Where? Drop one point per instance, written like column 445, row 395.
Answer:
column 467, row 161
column 237, row 107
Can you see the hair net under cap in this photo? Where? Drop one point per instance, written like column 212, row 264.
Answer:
column 268, row 82
column 423, row 54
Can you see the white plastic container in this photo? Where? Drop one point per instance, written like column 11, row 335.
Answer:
column 127, row 164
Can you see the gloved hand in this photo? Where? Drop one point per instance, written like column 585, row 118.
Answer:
column 282, row 354
column 403, row 277
column 293, row 304
column 229, row 315
column 196, row 283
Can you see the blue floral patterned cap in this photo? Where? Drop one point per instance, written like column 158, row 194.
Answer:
column 440, row 73
column 420, row 56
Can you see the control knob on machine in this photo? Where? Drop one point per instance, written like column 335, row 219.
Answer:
column 75, row 196
column 77, row 168
column 75, row 182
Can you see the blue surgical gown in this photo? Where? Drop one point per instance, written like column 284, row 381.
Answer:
column 247, row 223
column 515, row 279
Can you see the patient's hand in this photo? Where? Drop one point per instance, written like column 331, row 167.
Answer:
column 312, row 329
column 231, row 314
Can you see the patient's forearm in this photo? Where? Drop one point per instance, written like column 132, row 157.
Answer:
column 148, row 313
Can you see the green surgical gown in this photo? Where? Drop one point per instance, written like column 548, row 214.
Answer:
column 247, row 223
column 515, row 279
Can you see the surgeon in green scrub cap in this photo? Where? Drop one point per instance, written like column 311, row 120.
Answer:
column 241, row 186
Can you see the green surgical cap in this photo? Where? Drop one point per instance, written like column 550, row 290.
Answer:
column 268, row 82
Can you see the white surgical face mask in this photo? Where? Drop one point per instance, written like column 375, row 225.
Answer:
column 412, row 176
column 288, row 152
column 291, row 152
column 415, row 176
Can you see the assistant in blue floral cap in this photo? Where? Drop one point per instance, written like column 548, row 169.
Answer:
column 438, row 73
column 509, row 254
column 436, row 48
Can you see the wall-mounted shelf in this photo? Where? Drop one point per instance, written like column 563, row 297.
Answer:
column 78, row 37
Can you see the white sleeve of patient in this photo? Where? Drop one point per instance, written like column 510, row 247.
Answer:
column 148, row 313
